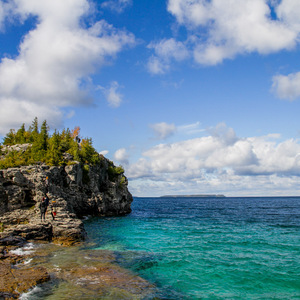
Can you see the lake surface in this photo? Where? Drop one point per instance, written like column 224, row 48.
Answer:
column 208, row 248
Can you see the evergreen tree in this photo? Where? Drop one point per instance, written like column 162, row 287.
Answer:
column 34, row 130
column 66, row 140
column 44, row 136
column 20, row 135
column 88, row 153
column 74, row 151
column 40, row 144
column 48, row 149
column 10, row 138
column 54, row 154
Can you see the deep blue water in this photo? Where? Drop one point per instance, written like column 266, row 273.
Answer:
column 208, row 248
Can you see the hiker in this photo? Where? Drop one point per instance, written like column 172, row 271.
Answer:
column 43, row 208
column 53, row 209
column 46, row 201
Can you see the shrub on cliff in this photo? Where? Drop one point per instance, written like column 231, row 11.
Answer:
column 46, row 148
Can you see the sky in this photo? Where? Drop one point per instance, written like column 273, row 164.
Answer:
column 189, row 96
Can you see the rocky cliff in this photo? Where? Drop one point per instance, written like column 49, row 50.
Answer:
column 74, row 190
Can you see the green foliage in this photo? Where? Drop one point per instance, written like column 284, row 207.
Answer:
column 46, row 148
column 88, row 152
column 10, row 138
column 114, row 172
column 66, row 140
column 123, row 182
column 15, row 159
column 20, row 137
column 54, row 157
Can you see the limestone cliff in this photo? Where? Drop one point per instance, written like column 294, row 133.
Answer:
column 75, row 190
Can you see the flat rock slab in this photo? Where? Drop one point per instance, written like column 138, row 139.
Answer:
column 14, row 281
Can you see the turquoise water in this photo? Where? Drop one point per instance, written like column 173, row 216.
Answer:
column 208, row 248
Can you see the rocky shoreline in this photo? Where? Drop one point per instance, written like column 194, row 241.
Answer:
column 69, row 272
column 15, row 278
column 75, row 190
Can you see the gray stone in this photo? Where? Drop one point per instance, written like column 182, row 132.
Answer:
column 73, row 193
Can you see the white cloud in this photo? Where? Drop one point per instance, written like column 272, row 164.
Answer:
column 288, row 11
column 56, row 59
column 166, row 51
column 163, row 130
column 14, row 112
column 117, row 5
column 287, row 87
column 156, row 66
column 190, row 128
column 222, row 29
column 221, row 162
column 113, row 97
column 121, row 156
column 104, row 152
column 5, row 11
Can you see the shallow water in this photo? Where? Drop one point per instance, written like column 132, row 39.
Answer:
column 208, row 248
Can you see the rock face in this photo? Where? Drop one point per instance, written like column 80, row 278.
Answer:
column 74, row 191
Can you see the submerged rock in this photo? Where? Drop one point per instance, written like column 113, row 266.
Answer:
column 16, row 277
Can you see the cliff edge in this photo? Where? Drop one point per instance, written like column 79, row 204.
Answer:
column 75, row 190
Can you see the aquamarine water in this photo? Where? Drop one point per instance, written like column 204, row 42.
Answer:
column 208, row 248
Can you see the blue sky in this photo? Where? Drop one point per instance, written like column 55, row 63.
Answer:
column 190, row 96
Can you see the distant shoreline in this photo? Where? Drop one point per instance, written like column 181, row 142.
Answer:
column 194, row 196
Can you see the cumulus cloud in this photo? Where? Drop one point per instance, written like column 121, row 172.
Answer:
column 166, row 51
column 55, row 60
column 5, row 11
column 163, row 130
column 287, row 87
column 121, row 156
column 112, row 95
column 223, row 29
column 117, row 5
column 221, row 160
column 236, row 27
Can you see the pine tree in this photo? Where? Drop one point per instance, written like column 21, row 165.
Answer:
column 54, row 154
column 10, row 138
column 88, row 153
column 34, row 130
column 44, row 136
column 20, row 136
column 66, row 140
column 40, row 144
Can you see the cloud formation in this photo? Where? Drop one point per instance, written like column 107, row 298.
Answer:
column 222, row 29
column 113, row 97
column 163, row 130
column 236, row 27
column 55, row 60
column 116, row 5
column 287, row 87
column 121, row 156
column 220, row 161
column 166, row 51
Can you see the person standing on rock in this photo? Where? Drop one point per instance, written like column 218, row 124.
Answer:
column 46, row 201
column 53, row 210
column 43, row 208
